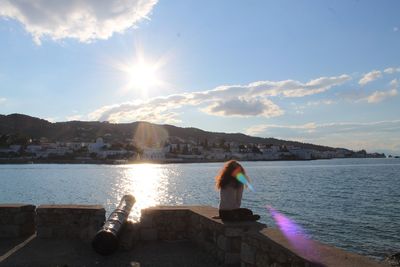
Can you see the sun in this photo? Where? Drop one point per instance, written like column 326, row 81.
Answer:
column 142, row 75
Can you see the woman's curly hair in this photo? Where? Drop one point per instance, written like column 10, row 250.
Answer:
column 225, row 176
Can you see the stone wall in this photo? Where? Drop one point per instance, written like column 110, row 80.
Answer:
column 195, row 223
column 69, row 221
column 222, row 240
column 269, row 247
column 248, row 244
column 17, row 220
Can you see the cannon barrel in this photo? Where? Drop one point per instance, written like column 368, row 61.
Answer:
column 106, row 240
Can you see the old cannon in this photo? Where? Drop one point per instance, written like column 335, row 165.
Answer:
column 106, row 240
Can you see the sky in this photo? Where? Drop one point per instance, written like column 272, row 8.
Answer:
column 322, row 72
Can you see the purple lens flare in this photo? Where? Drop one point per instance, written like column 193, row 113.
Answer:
column 295, row 235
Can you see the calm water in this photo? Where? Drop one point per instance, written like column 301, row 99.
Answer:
column 351, row 203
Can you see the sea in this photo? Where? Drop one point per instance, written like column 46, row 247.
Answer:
column 353, row 204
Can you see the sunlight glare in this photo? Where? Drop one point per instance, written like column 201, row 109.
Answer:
column 146, row 182
column 142, row 75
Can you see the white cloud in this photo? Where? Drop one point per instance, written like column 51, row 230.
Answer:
column 156, row 111
column 369, row 77
column 253, row 99
column 51, row 119
column 321, row 102
column 2, row 100
column 76, row 117
column 391, row 70
column 379, row 96
column 244, row 108
column 257, row 129
column 330, row 128
column 85, row 20
column 290, row 88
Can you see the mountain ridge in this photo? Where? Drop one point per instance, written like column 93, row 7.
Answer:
column 88, row 131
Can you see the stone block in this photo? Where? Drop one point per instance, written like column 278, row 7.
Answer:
column 262, row 259
column 232, row 258
column 220, row 256
column 248, row 253
column 146, row 222
column 126, row 240
column 233, row 232
column 276, row 264
column 299, row 264
column 282, row 258
column 148, row 234
column 28, row 208
column 23, row 217
column 235, row 244
column 27, row 229
column 44, row 232
column 9, row 231
column 222, row 243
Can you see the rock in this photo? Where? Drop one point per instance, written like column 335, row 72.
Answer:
column 393, row 260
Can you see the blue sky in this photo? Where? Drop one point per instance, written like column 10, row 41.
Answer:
column 314, row 71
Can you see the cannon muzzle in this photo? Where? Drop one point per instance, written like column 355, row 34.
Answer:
column 106, row 240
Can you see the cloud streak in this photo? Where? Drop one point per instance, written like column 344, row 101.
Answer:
column 82, row 20
column 369, row 77
column 253, row 99
column 379, row 96
column 381, row 135
column 391, row 70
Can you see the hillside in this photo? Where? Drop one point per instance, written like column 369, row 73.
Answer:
column 88, row 131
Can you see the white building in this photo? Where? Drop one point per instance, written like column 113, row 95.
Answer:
column 153, row 154
column 98, row 146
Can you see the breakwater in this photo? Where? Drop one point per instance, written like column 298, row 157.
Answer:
column 247, row 244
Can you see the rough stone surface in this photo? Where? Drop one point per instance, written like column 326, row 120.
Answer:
column 17, row 220
column 222, row 242
column 148, row 234
column 233, row 232
column 248, row 254
column 393, row 260
column 249, row 244
column 232, row 258
column 69, row 221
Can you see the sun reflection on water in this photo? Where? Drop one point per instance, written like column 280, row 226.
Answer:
column 148, row 183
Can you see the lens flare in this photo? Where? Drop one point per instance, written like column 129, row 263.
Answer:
column 295, row 234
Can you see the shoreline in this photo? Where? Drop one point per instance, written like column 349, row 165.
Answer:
column 126, row 162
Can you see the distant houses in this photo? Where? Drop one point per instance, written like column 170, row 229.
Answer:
column 171, row 150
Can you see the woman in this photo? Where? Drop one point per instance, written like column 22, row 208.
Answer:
column 231, row 191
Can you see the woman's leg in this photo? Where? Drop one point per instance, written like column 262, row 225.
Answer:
column 227, row 215
column 238, row 215
column 246, row 215
column 242, row 212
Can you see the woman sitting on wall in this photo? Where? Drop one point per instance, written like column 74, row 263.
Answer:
column 231, row 191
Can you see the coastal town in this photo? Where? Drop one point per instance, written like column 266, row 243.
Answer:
column 43, row 150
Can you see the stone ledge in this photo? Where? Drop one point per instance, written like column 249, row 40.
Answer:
column 71, row 207
column 17, row 207
column 248, row 243
column 198, row 224
column 312, row 252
